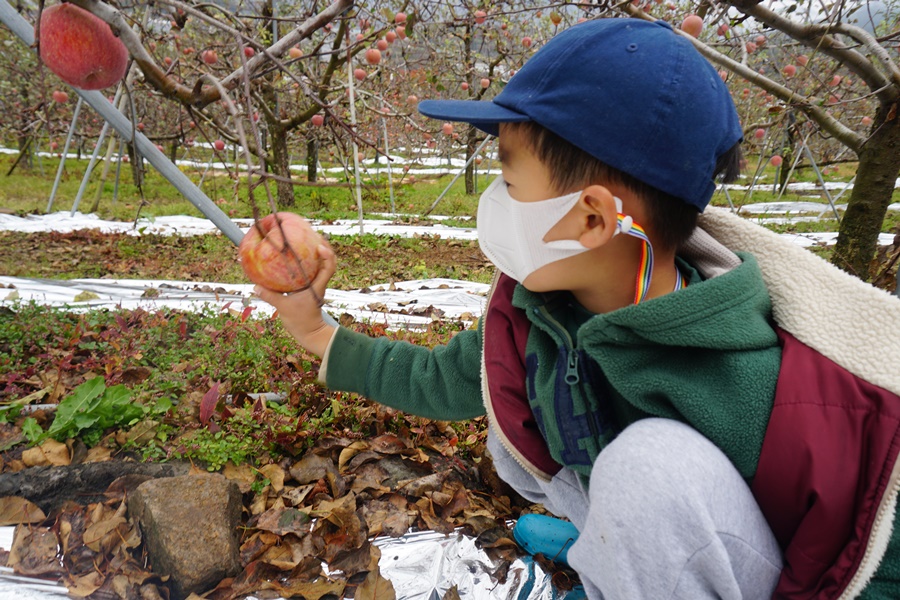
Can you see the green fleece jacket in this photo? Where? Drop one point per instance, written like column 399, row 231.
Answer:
column 706, row 355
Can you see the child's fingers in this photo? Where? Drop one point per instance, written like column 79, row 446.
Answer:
column 327, row 268
column 271, row 296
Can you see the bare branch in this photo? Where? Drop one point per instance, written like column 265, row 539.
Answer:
column 301, row 32
column 844, row 134
column 201, row 96
column 864, row 38
column 820, row 38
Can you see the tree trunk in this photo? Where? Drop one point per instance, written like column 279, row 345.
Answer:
column 471, row 146
column 281, row 166
column 787, row 155
column 879, row 165
column 312, row 159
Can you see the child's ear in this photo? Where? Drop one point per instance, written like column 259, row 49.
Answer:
column 599, row 219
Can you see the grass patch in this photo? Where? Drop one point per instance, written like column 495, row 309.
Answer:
column 27, row 191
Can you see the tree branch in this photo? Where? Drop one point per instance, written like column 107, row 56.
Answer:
column 841, row 132
column 197, row 96
column 820, row 38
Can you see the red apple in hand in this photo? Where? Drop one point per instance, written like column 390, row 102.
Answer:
column 81, row 48
column 267, row 262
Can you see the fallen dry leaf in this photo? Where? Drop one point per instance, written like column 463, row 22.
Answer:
column 57, row 453
column 388, row 443
column 15, row 510
column 451, row 594
column 281, row 521
column 85, row 585
column 34, row 552
column 241, row 474
column 276, row 476
column 311, row 590
column 312, row 467
column 349, row 452
column 34, row 457
column 375, row 587
column 104, row 535
column 98, row 454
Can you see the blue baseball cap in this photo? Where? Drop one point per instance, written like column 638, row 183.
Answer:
column 633, row 94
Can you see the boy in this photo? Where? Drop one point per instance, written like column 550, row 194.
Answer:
column 633, row 373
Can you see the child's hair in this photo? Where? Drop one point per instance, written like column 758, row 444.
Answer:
column 671, row 220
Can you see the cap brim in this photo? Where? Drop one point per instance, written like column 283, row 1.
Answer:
column 484, row 115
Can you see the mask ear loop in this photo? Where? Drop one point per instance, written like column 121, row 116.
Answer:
column 645, row 271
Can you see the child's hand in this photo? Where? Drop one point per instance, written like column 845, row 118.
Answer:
column 301, row 312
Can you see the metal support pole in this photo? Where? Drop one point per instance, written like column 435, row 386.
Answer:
column 25, row 31
column 387, row 157
column 62, row 159
column 90, row 168
column 359, row 206
column 118, row 170
column 458, row 174
column 728, row 197
column 815, row 167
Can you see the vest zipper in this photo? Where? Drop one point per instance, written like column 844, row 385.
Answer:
column 572, row 377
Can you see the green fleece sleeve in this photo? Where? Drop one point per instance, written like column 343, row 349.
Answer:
column 443, row 383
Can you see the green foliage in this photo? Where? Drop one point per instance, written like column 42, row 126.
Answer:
column 87, row 413
column 26, row 192
column 159, row 364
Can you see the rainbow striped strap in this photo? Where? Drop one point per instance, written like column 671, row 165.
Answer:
column 645, row 271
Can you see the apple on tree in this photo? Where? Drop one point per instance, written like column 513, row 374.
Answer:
column 373, row 56
column 81, row 48
column 270, row 262
column 692, row 25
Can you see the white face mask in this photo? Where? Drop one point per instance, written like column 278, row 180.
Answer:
column 511, row 233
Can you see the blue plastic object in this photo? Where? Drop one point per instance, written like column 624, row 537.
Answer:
column 540, row 534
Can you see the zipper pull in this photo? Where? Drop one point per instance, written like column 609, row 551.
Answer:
column 572, row 377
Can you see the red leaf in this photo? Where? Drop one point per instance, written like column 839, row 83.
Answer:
column 208, row 404
column 245, row 314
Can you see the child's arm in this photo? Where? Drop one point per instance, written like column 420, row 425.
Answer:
column 301, row 312
column 444, row 383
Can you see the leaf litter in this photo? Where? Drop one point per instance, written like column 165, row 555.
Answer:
column 322, row 473
column 325, row 475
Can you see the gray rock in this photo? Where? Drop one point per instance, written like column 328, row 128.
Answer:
column 190, row 526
